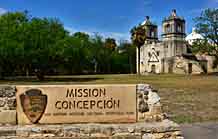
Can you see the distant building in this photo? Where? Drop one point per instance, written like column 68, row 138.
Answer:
column 170, row 55
column 194, row 36
column 207, row 61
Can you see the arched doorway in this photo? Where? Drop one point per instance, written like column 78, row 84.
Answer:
column 153, row 69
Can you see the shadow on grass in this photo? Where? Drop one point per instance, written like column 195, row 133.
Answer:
column 71, row 79
column 208, row 74
column 50, row 79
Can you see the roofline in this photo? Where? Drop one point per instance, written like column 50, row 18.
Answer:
column 179, row 33
column 152, row 25
column 177, row 19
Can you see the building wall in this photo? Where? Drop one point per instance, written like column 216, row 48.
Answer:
column 210, row 64
column 168, row 59
column 150, row 56
column 181, row 66
column 169, row 52
column 158, row 54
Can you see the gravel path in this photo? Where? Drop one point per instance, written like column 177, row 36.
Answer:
column 200, row 130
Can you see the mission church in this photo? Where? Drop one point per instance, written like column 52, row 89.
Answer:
column 171, row 54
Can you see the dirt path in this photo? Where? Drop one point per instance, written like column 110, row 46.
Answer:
column 200, row 130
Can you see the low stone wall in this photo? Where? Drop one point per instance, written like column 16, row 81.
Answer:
column 157, row 130
column 149, row 107
column 152, row 123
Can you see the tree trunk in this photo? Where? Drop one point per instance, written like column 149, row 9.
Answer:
column 139, row 61
column 40, row 75
column 130, row 63
column 96, row 67
column 27, row 72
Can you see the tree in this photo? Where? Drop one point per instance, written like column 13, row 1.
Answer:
column 81, row 35
column 12, row 40
column 41, row 46
column 110, row 43
column 138, row 36
column 207, row 26
column 129, row 50
column 43, row 34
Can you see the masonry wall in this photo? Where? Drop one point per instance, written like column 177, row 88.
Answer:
column 7, row 105
column 152, row 122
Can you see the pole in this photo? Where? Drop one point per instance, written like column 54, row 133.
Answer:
column 139, row 60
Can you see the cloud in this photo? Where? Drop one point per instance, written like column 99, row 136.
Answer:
column 116, row 35
column 70, row 29
column 2, row 11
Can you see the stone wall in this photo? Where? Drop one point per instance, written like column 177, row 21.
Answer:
column 152, row 123
column 7, row 105
column 210, row 64
column 180, row 65
column 149, row 107
column 156, row 130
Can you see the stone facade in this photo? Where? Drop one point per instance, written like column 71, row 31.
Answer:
column 157, row 56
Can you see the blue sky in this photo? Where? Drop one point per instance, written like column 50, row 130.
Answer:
column 109, row 17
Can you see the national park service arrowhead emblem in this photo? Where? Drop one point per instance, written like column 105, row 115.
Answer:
column 33, row 103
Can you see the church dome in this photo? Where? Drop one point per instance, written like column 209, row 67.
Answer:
column 193, row 37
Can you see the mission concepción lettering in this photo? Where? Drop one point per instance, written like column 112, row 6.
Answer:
column 89, row 101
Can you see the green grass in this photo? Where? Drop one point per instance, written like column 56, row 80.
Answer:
column 186, row 99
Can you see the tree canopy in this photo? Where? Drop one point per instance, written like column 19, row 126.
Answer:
column 138, row 35
column 42, row 46
column 207, row 26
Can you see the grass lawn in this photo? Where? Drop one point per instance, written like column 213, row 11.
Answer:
column 186, row 99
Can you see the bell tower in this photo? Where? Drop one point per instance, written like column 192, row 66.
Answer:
column 174, row 35
column 151, row 31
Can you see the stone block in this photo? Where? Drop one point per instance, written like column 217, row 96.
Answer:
column 132, row 137
column 8, row 117
column 117, row 137
column 7, row 133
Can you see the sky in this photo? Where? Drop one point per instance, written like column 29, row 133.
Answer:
column 109, row 18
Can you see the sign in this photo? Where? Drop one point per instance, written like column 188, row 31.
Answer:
column 33, row 103
column 51, row 104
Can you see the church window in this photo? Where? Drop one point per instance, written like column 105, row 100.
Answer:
column 158, row 53
column 152, row 34
column 179, row 28
column 168, row 28
column 149, row 54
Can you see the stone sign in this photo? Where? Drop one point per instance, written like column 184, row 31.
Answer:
column 50, row 104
